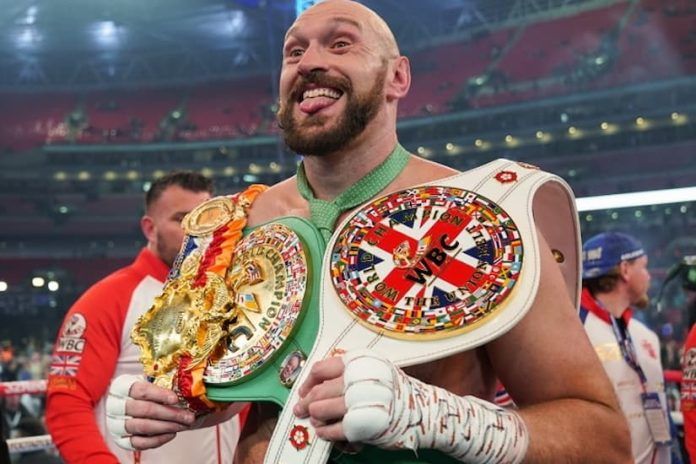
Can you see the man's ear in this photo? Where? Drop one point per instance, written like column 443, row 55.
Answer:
column 624, row 270
column 147, row 225
column 399, row 79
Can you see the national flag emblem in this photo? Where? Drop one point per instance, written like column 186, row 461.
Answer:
column 65, row 365
column 448, row 255
column 248, row 301
column 253, row 273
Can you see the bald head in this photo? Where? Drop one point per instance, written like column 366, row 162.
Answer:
column 341, row 72
column 353, row 11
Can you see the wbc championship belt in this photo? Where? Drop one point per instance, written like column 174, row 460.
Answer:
column 233, row 312
column 276, row 277
column 419, row 275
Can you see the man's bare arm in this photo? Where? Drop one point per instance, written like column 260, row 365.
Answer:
column 550, row 369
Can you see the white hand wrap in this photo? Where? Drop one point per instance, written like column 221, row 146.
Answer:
column 387, row 408
column 116, row 408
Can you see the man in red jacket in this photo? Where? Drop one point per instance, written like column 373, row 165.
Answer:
column 688, row 386
column 94, row 344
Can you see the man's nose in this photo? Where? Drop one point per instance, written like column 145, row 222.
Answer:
column 313, row 59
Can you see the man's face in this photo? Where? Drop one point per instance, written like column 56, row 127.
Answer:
column 315, row 135
column 332, row 80
column 638, row 280
column 166, row 214
column 291, row 366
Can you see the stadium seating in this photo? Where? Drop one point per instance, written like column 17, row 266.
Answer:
column 641, row 42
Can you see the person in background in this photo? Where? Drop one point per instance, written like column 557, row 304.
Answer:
column 4, row 450
column 670, row 351
column 8, row 363
column 94, row 343
column 688, row 385
column 615, row 278
column 13, row 410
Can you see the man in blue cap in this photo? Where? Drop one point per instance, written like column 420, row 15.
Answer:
column 616, row 278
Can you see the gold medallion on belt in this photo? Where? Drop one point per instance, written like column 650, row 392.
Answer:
column 189, row 323
column 210, row 216
column 236, row 323
column 268, row 278
column 183, row 319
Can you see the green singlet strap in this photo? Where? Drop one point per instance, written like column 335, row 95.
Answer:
column 324, row 213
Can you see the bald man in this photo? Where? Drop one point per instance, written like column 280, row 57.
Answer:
column 342, row 78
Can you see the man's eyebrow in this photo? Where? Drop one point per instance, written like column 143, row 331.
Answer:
column 337, row 21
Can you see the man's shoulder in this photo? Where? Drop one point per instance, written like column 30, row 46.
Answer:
column 690, row 341
column 281, row 199
column 421, row 171
column 643, row 329
column 114, row 284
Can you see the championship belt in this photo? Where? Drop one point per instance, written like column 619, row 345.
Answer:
column 276, row 278
column 189, row 324
column 420, row 275
column 233, row 322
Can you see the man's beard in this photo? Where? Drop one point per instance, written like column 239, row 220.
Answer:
column 166, row 252
column 360, row 110
column 642, row 301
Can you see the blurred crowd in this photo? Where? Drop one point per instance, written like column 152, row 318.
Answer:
column 22, row 415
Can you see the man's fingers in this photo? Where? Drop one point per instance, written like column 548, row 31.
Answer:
column 331, row 432
column 149, row 392
column 122, row 384
column 149, row 413
column 321, row 371
column 158, row 412
column 152, row 427
column 143, row 443
column 332, row 388
column 329, row 389
column 328, row 410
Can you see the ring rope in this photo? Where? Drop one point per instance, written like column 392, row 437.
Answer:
column 28, row 444
column 30, row 387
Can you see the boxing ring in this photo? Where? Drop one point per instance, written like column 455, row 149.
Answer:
column 26, row 444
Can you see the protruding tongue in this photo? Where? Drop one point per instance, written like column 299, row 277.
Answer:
column 314, row 104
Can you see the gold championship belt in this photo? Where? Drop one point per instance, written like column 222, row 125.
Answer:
column 232, row 306
column 425, row 273
column 184, row 327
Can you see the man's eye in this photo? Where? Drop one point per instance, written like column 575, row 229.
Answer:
column 295, row 52
column 340, row 44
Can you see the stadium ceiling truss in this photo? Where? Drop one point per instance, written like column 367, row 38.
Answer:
column 186, row 60
column 179, row 68
column 466, row 19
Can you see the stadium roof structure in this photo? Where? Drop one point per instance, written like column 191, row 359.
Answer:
column 83, row 44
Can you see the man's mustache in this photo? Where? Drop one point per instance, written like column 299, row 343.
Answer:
column 319, row 78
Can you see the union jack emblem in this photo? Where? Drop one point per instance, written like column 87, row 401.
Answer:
column 65, row 365
column 253, row 273
column 426, row 266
